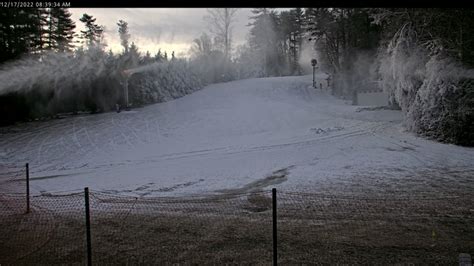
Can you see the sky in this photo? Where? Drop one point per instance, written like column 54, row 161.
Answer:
column 168, row 29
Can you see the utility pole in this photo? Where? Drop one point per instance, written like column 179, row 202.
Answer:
column 126, row 93
column 293, row 52
column 126, row 74
column 314, row 62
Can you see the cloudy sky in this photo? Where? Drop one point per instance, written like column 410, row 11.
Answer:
column 151, row 29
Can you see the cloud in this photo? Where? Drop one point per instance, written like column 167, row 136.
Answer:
column 154, row 28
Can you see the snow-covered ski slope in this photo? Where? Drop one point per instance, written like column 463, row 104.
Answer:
column 236, row 137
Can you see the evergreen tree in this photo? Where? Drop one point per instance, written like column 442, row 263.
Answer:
column 20, row 32
column 297, row 20
column 264, row 39
column 93, row 33
column 61, row 29
column 158, row 56
column 146, row 59
column 290, row 36
column 124, row 34
column 39, row 37
column 133, row 56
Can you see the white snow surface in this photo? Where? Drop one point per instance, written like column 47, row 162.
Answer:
column 230, row 135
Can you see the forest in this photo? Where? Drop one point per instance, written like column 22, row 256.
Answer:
column 423, row 58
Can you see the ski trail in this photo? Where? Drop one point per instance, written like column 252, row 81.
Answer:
column 40, row 147
column 229, row 135
column 76, row 140
column 94, row 145
column 117, row 128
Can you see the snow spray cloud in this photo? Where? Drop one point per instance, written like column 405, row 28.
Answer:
column 63, row 82
column 90, row 80
column 307, row 53
column 410, row 72
column 145, row 68
column 53, row 71
column 63, row 71
column 260, row 56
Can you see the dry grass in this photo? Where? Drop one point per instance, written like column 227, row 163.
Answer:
column 382, row 232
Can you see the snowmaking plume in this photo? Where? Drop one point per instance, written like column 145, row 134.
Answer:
column 52, row 71
column 144, row 68
column 307, row 53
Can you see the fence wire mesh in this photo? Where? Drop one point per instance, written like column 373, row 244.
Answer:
column 202, row 230
column 12, row 179
column 53, row 232
column 366, row 230
column 236, row 229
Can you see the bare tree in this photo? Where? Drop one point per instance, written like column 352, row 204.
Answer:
column 220, row 21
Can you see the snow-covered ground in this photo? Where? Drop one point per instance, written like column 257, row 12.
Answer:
column 236, row 137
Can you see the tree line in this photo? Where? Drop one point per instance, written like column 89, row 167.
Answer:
column 276, row 37
column 48, row 68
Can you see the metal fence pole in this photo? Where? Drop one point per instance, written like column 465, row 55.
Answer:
column 27, row 188
column 88, row 227
column 274, row 205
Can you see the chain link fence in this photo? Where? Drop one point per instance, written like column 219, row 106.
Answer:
column 13, row 179
column 235, row 228
column 393, row 229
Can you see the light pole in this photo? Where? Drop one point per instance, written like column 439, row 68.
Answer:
column 313, row 63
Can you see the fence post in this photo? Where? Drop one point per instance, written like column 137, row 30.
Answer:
column 27, row 188
column 88, row 227
column 274, row 205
